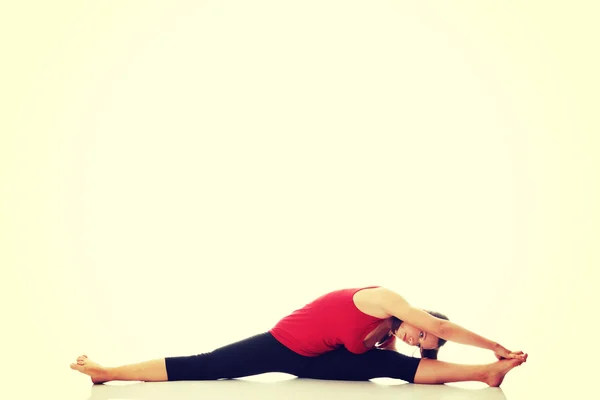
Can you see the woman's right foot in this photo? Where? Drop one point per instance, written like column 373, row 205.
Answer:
column 495, row 374
column 97, row 372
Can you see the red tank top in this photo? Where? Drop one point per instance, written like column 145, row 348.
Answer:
column 326, row 323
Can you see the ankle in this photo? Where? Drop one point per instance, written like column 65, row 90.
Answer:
column 486, row 372
column 110, row 374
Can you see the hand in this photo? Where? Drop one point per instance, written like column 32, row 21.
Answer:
column 502, row 353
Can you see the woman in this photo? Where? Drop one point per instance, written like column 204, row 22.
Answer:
column 346, row 334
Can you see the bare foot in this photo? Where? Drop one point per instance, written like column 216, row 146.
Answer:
column 495, row 375
column 97, row 372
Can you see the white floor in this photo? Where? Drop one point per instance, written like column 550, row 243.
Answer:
column 527, row 382
column 287, row 389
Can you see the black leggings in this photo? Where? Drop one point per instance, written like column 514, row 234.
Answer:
column 263, row 353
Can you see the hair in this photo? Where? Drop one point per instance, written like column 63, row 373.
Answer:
column 433, row 353
column 425, row 353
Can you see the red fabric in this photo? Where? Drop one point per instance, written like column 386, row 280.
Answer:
column 330, row 321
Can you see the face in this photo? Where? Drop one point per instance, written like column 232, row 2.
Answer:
column 414, row 336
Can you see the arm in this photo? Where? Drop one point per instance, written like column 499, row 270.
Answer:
column 456, row 333
column 396, row 305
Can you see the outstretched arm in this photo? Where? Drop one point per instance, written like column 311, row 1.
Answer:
column 456, row 333
column 397, row 306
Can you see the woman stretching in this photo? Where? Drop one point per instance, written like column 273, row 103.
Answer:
column 347, row 334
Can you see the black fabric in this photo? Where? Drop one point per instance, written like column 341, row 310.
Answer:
column 263, row 353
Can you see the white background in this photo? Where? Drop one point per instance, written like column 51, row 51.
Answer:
column 181, row 176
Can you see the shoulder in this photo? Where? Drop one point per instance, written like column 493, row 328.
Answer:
column 376, row 301
column 377, row 293
column 383, row 293
column 371, row 293
column 390, row 301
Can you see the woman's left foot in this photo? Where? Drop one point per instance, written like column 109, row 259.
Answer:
column 498, row 370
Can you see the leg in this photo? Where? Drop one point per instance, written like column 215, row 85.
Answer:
column 148, row 371
column 255, row 355
column 343, row 365
column 434, row 371
column 252, row 356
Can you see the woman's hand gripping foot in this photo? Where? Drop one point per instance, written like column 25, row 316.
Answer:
column 498, row 370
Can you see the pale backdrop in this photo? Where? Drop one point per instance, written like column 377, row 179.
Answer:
column 179, row 176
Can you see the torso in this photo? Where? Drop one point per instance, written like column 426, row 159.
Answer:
column 366, row 301
column 360, row 324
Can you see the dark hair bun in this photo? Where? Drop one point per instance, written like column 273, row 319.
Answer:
column 431, row 354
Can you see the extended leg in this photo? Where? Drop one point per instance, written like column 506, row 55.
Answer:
column 148, row 371
column 343, row 365
column 434, row 371
column 255, row 355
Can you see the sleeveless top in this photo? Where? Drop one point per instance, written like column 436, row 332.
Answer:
column 328, row 322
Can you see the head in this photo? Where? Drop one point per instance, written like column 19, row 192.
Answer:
column 428, row 343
